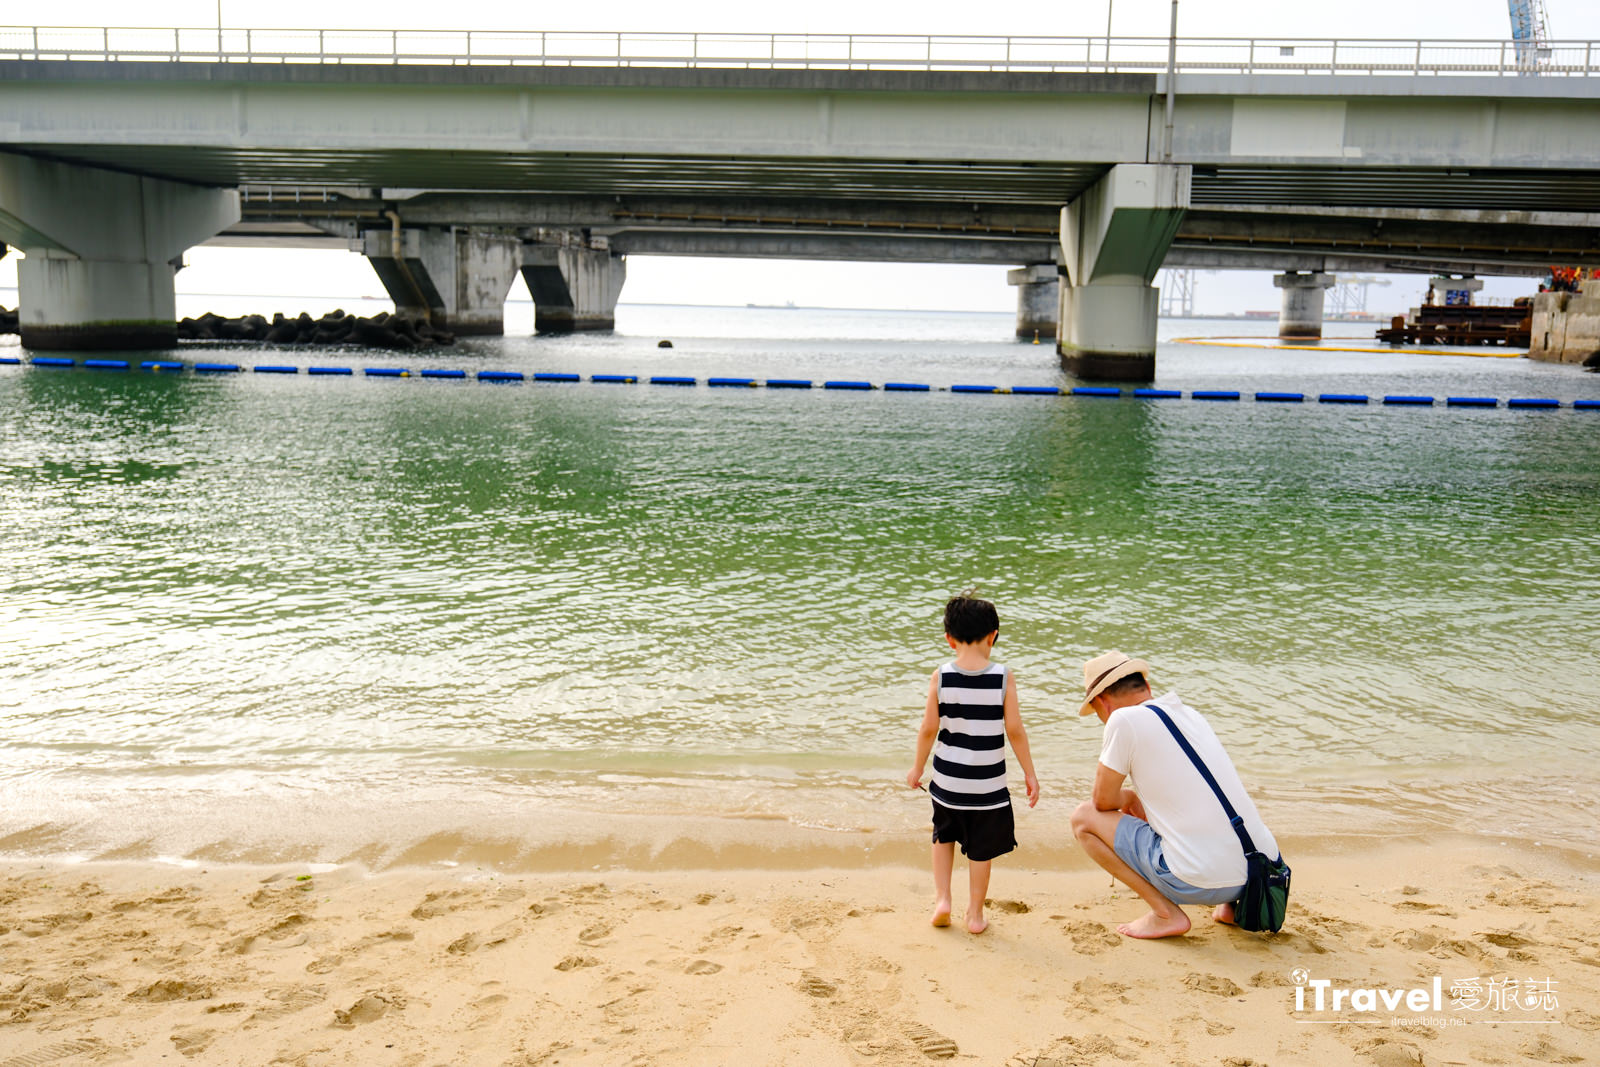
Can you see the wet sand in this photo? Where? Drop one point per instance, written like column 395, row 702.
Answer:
column 136, row 962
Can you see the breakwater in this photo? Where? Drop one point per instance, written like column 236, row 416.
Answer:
column 383, row 330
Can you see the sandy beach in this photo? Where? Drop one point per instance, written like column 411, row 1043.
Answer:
column 147, row 963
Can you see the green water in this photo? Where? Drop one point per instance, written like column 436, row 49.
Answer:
column 661, row 600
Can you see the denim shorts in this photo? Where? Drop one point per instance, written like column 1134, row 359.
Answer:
column 1139, row 847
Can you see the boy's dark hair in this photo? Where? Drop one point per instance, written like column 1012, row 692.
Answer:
column 1131, row 684
column 968, row 619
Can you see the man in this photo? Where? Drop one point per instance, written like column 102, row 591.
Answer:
column 1167, row 838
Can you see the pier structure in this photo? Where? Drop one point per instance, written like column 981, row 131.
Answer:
column 1300, row 317
column 1038, row 299
column 455, row 162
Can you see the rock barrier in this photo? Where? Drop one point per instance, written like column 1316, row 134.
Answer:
column 384, row 330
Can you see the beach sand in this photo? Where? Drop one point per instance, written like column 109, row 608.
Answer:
column 150, row 963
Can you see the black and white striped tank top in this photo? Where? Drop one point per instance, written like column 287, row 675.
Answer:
column 969, row 760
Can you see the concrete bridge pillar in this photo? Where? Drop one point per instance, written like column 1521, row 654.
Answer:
column 1113, row 239
column 1454, row 290
column 1300, row 317
column 455, row 278
column 575, row 285
column 1038, row 299
column 101, row 249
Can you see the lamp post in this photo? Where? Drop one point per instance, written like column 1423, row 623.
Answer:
column 1109, row 5
column 219, row 31
column 1172, row 74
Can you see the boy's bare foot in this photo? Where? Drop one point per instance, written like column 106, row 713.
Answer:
column 941, row 914
column 1223, row 914
column 977, row 926
column 1152, row 926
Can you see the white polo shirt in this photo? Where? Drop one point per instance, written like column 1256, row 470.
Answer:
column 1197, row 840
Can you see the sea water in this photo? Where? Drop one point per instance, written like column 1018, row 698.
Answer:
column 249, row 612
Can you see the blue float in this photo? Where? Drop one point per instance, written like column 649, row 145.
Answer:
column 273, row 368
column 974, row 388
column 1280, row 398
column 1415, row 401
column 1342, row 398
column 216, row 368
column 54, row 361
column 509, row 376
column 1158, row 394
column 545, row 376
column 1532, row 402
column 439, row 372
column 1471, row 402
column 160, row 365
column 1214, row 394
column 614, row 379
column 788, row 383
column 1043, row 390
column 1586, row 405
column 671, row 379
column 737, row 383
column 1095, row 390
column 337, row 371
column 386, row 372
column 106, row 364
column 846, row 385
column 906, row 387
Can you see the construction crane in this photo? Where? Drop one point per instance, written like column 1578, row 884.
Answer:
column 1530, row 32
column 1348, row 297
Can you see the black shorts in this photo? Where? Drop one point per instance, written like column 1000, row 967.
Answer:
column 982, row 835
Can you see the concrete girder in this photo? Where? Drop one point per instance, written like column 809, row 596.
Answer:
column 456, row 278
column 1113, row 240
column 101, row 249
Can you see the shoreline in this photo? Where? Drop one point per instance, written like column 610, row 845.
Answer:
column 294, row 964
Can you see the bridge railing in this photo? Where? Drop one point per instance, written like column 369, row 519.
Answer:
column 1224, row 55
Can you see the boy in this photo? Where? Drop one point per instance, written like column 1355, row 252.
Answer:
column 971, row 710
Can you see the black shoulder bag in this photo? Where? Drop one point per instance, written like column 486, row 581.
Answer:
column 1266, row 884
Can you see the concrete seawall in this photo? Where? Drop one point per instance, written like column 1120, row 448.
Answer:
column 1566, row 327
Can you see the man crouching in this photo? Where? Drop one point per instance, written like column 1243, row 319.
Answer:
column 1167, row 838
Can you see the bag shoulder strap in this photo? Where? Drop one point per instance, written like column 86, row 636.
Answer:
column 1205, row 772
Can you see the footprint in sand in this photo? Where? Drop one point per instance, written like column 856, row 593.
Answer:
column 577, row 963
column 1091, row 938
column 931, row 1043
column 166, row 990
column 369, row 1008
column 192, row 1040
column 702, row 967
column 54, row 1053
column 1009, row 907
column 595, row 934
column 812, row 986
column 1214, row 984
column 472, row 942
column 445, row 901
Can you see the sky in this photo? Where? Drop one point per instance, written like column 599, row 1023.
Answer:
column 283, row 272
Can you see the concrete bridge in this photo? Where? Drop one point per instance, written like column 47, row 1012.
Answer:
column 1082, row 162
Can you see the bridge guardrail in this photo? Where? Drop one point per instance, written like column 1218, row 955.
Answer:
column 1216, row 55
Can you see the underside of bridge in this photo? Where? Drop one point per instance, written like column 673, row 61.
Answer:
column 452, row 181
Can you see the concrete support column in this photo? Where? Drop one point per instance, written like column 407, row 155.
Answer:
column 1447, row 291
column 1113, row 239
column 101, row 249
column 1300, row 316
column 455, row 278
column 575, row 286
column 1038, row 299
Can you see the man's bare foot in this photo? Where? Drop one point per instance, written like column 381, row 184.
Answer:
column 1223, row 914
column 941, row 914
column 978, row 925
column 1152, row 926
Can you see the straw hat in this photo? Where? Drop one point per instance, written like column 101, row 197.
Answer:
column 1104, row 671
